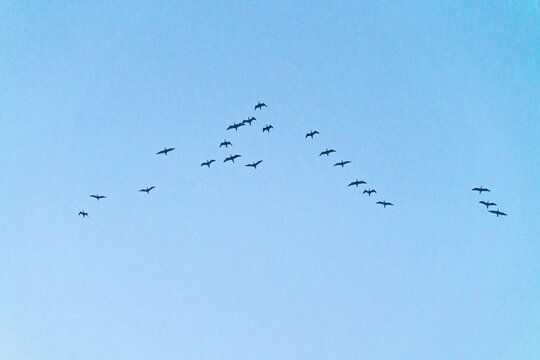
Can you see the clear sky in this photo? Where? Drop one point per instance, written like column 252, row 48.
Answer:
column 427, row 99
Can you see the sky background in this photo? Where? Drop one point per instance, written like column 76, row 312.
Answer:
column 427, row 99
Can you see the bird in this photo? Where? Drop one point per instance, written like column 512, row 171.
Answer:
column 369, row 192
column 327, row 152
column 487, row 203
column 225, row 143
column 311, row 133
column 97, row 197
column 254, row 164
column 249, row 121
column 267, row 128
column 385, row 204
column 497, row 212
column 208, row 162
column 147, row 190
column 235, row 126
column 357, row 182
column 165, row 151
column 83, row 213
column 480, row 189
column 232, row 157
column 260, row 105
column 342, row 163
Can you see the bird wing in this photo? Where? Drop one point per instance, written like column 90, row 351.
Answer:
column 160, row 152
column 315, row 132
column 258, row 162
column 230, row 127
column 94, row 196
column 151, row 187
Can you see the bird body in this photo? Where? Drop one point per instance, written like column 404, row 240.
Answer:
column 487, row 203
column 267, row 128
column 311, row 133
column 225, row 143
column 357, row 182
column 232, row 157
column 97, row 197
column 342, row 163
column 165, row 151
column 260, row 105
column 384, row 203
column 327, row 152
column 497, row 212
column 83, row 213
column 369, row 192
column 480, row 189
column 147, row 190
column 208, row 162
column 254, row 164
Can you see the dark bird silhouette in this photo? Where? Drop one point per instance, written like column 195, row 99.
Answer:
column 225, row 143
column 235, row 126
column 327, row 152
column 97, row 197
column 83, row 213
column 342, row 163
column 497, row 212
column 311, row 133
column 369, row 192
column 254, row 165
column 385, row 204
column 267, row 128
column 165, row 151
column 357, row 182
column 147, row 190
column 208, row 162
column 487, row 203
column 249, row 120
column 232, row 157
column 260, row 105
column 480, row 189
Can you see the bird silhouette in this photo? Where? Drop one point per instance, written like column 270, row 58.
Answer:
column 254, row 164
column 260, row 105
column 497, row 212
column 480, row 189
column 147, row 190
column 97, row 197
column 83, row 213
column 225, row 143
column 235, row 126
column 311, row 133
column 487, row 203
column 249, row 120
column 208, row 162
column 267, row 128
column 369, row 192
column 342, row 163
column 327, row 152
column 357, row 182
column 165, row 151
column 232, row 157
column 385, row 204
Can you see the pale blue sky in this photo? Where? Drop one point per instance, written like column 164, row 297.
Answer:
column 427, row 99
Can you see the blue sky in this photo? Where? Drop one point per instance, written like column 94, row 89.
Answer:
column 427, row 99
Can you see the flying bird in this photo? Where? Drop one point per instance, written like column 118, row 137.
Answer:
column 97, row 197
column 232, row 157
column 369, row 192
column 235, row 126
column 225, row 143
column 267, row 128
column 83, row 213
column 385, row 204
column 249, row 121
column 497, row 212
column 487, row 203
column 147, row 190
column 208, row 162
column 165, row 151
column 311, row 133
column 327, row 152
column 260, row 105
column 480, row 189
column 342, row 163
column 254, row 165
column 357, row 182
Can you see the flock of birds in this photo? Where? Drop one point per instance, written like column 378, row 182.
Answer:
column 310, row 134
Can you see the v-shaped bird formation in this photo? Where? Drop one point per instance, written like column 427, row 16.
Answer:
column 311, row 135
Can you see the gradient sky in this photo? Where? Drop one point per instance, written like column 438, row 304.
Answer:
column 427, row 99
